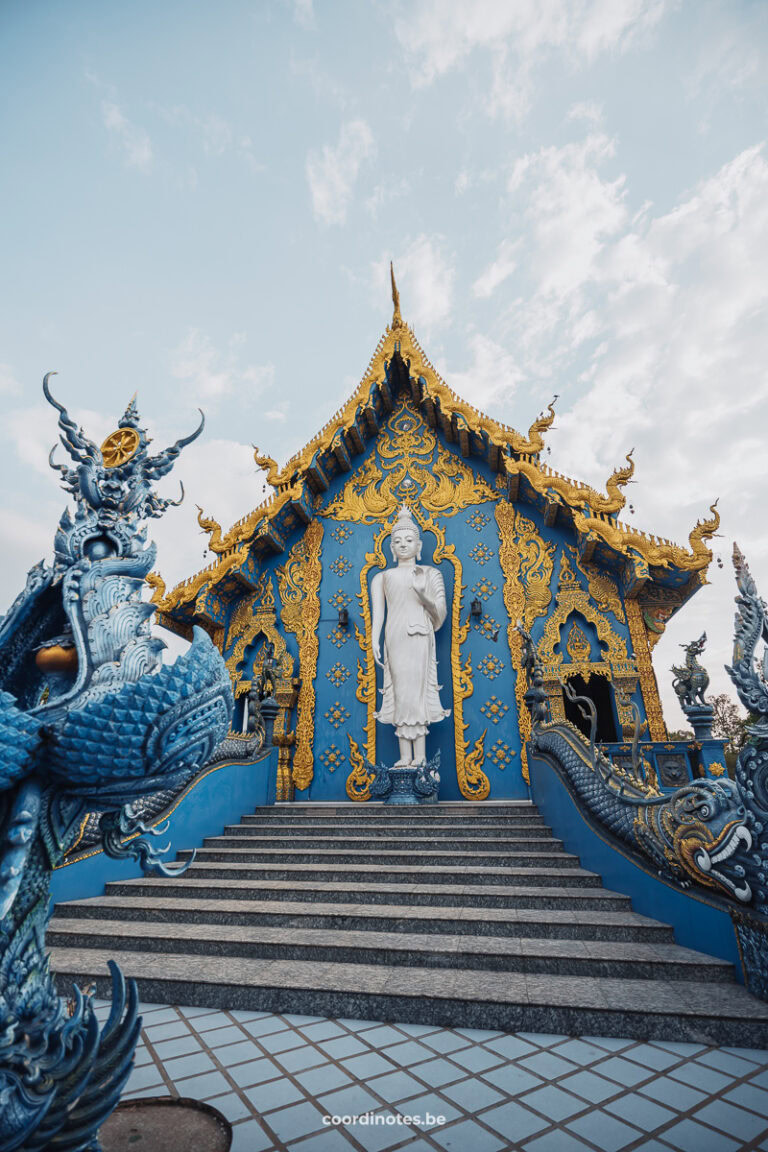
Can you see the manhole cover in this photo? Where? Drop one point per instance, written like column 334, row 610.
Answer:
column 159, row 1123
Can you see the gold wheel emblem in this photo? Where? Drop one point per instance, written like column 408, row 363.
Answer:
column 119, row 447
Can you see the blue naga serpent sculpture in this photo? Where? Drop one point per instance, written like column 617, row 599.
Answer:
column 90, row 720
column 711, row 833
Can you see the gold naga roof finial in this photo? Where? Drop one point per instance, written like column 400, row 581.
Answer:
column 397, row 319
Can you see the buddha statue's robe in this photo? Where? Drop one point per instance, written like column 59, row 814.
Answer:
column 411, row 693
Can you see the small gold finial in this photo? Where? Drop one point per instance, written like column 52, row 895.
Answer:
column 396, row 317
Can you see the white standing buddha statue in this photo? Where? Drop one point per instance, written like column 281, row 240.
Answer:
column 413, row 596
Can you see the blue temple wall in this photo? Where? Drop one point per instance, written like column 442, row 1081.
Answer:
column 697, row 924
column 218, row 798
column 473, row 531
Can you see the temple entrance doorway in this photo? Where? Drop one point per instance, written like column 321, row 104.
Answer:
column 598, row 690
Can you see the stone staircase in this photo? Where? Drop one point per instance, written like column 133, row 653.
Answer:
column 465, row 915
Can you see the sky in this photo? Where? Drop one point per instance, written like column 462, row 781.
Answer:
column 200, row 202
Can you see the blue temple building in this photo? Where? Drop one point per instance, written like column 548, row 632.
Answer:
column 577, row 872
column 514, row 540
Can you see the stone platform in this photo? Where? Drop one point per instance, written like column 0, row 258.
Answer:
column 461, row 916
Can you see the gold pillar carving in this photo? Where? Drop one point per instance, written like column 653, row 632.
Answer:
column 523, row 556
column 657, row 729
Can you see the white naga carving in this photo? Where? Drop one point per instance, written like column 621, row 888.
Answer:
column 414, row 597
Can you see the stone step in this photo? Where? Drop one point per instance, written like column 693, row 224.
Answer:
column 454, row 808
column 702, row 1012
column 340, row 842
column 380, row 829
column 502, row 954
column 416, row 860
column 548, row 923
column 445, row 895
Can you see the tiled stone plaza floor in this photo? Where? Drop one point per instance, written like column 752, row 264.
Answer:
column 276, row 1077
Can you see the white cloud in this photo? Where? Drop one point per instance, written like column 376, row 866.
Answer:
column 219, row 475
column 383, row 193
column 497, row 272
column 440, row 35
column 303, row 13
column 654, row 326
column 214, row 135
column 332, row 173
column 425, row 273
column 134, row 141
column 209, row 374
column 9, row 385
column 493, row 376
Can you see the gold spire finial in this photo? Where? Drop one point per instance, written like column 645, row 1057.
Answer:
column 396, row 317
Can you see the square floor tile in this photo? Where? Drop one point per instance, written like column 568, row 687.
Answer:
column 683, row 1050
column 232, row 1106
column 210, row 1023
column 322, row 1030
column 354, row 1025
column 265, row 1026
column 732, row 1120
column 219, row 1036
column 266, row 1097
column 472, row 1095
column 281, row 1041
column 381, row 1035
column 728, row 1062
column 625, row 1072
column 754, row 1055
column 513, row 1121
column 610, row 1043
column 542, row 1039
column 553, row 1103
column 408, row 1053
column 244, row 1017
column 439, row 1072
column 477, row 1059
column 511, row 1047
column 351, row 1101
column 640, row 1111
column 299, row 1021
column 322, row 1079
column 749, row 1096
column 445, row 1041
column 193, row 1013
column 580, row 1052
column 701, row 1077
column 296, row 1121
column 557, row 1141
column 673, row 1093
column 342, row 1046
column 141, row 1056
column 148, row 1076
column 385, row 1130
column 418, row 1029
column 547, row 1065
column 368, row 1064
column 650, row 1057
column 255, row 1072
column 232, row 1054
column 603, row 1130
column 430, row 1107
column 201, row 1087
column 479, row 1035
column 395, row 1086
column 512, row 1079
column 182, row 1066
column 160, row 1015
column 297, row 1059
column 689, row 1136
column 179, row 1046
column 157, row 1032
column 468, row 1135
column 589, row 1086
column 250, row 1137
column 330, row 1140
